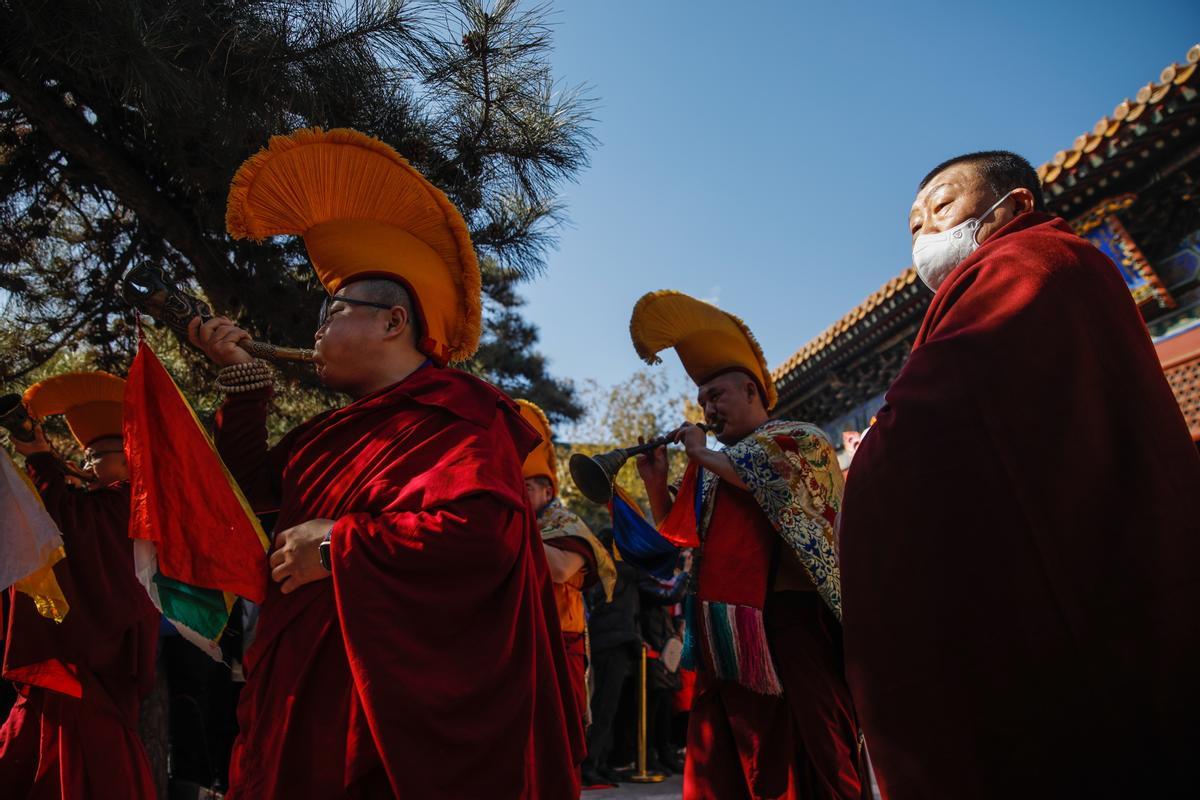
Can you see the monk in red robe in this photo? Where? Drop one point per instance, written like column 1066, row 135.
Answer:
column 1021, row 527
column 577, row 559
column 408, row 644
column 73, row 732
column 572, row 566
column 772, row 716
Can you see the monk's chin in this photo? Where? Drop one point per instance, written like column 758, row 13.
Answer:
column 726, row 436
column 330, row 379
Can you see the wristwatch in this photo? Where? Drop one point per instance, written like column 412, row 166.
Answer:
column 323, row 549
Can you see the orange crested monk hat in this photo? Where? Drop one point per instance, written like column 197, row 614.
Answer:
column 542, row 462
column 709, row 341
column 91, row 401
column 364, row 212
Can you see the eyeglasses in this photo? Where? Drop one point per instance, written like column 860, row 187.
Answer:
column 329, row 301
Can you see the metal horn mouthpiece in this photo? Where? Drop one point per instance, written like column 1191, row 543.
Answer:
column 147, row 288
column 15, row 417
column 594, row 475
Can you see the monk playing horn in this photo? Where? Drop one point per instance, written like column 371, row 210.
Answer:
column 408, row 645
column 73, row 731
column 772, row 715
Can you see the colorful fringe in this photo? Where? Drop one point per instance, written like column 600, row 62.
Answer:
column 735, row 644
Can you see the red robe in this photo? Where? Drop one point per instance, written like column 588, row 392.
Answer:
column 429, row 666
column 746, row 744
column 1019, row 541
column 73, row 731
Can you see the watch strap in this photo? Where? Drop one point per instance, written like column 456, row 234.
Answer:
column 325, row 550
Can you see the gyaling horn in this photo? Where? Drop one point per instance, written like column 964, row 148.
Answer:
column 15, row 417
column 147, row 288
column 594, row 475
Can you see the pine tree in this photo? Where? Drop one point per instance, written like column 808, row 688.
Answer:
column 122, row 122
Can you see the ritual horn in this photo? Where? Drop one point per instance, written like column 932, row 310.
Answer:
column 594, row 475
column 147, row 288
column 15, row 417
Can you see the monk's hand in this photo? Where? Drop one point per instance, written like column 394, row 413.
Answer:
column 38, row 445
column 296, row 556
column 652, row 466
column 692, row 437
column 218, row 339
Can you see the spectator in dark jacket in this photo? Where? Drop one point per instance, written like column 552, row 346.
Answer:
column 615, row 643
column 659, row 626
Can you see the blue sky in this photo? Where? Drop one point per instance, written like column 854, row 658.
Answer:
column 764, row 155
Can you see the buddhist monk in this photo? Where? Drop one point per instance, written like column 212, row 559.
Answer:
column 772, row 716
column 408, row 645
column 1022, row 522
column 73, row 732
column 577, row 559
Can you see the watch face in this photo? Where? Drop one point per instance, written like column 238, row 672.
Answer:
column 324, row 551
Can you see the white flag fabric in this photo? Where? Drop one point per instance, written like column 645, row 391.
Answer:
column 29, row 539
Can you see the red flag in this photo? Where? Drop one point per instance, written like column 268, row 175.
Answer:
column 184, row 499
column 681, row 527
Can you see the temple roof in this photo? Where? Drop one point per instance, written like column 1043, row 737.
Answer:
column 1123, row 116
column 1117, row 155
column 846, row 323
column 856, row 356
column 1121, row 150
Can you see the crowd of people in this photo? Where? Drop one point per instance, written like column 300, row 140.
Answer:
column 997, row 600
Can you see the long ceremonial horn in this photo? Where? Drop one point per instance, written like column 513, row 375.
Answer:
column 594, row 475
column 15, row 417
column 146, row 288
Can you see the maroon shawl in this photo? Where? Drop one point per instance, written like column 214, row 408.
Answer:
column 431, row 663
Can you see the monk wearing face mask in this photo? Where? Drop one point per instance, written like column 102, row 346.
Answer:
column 1018, row 536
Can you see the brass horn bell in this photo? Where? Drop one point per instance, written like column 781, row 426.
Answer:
column 15, row 417
column 594, row 475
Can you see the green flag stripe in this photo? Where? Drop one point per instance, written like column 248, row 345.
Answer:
column 202, row 610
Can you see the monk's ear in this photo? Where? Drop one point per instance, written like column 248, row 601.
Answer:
column 1025, row 201
column 398, row 322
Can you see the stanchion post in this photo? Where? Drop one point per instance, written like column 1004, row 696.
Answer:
column 642, row 776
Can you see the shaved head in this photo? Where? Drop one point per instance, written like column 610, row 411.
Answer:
column 1001, row 170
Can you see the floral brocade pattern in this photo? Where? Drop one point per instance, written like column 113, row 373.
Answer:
column 557, row 520
column 793, row 473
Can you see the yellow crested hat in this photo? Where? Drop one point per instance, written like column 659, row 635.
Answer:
column 709, row 341
column 542, row 461
column 364, row 212
column 91, row 401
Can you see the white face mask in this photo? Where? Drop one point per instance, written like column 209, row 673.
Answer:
column 935, row 255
